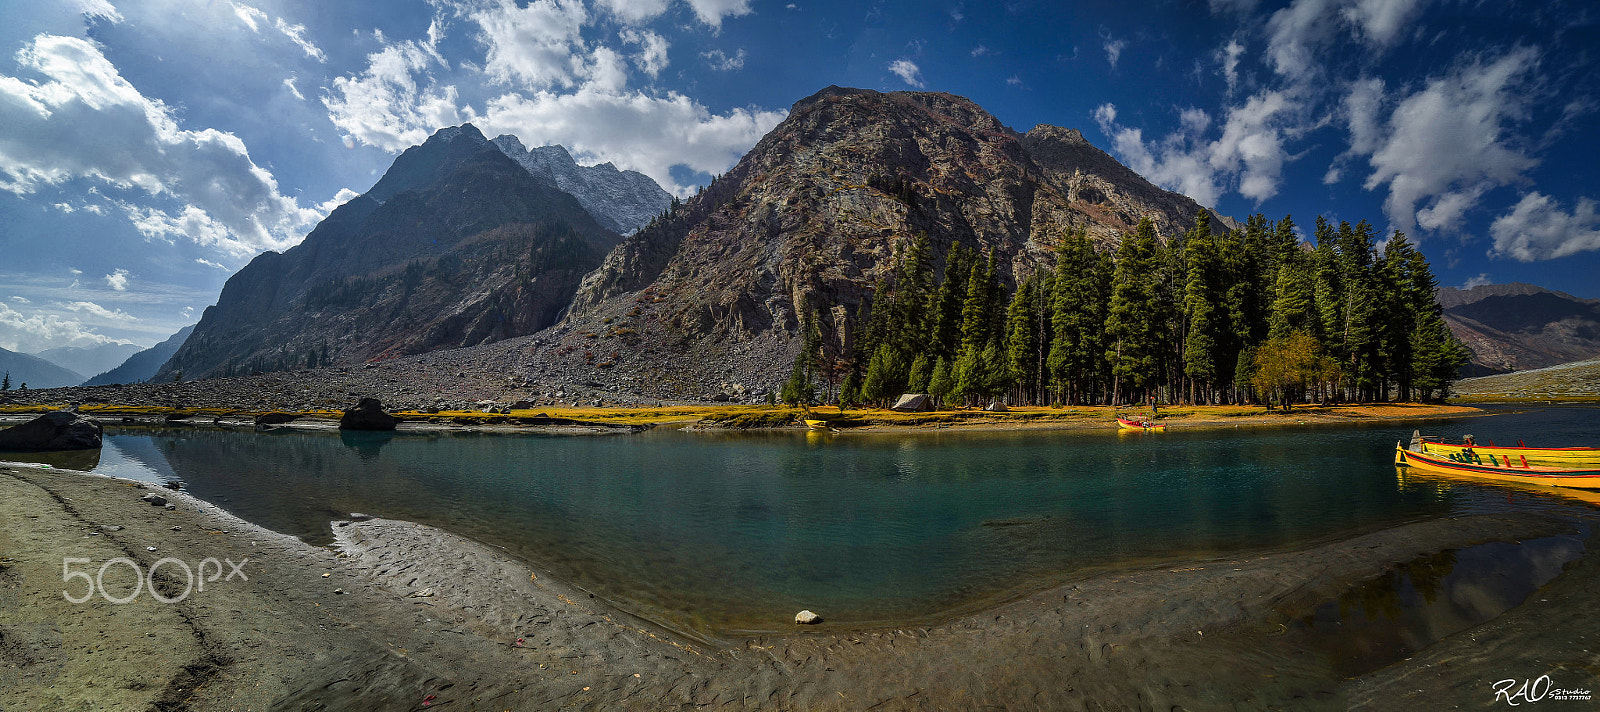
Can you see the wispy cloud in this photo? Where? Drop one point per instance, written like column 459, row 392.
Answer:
column 908, row 72
column 1538, row 228
column 118, row 280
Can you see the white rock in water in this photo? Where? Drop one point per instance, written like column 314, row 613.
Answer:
column 807, row 618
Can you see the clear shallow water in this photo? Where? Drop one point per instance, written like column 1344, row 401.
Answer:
column 727, row 532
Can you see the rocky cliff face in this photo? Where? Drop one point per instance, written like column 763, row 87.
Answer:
column 710, row 298
column 1515, row 327
column 622, row 201
column 456, row 245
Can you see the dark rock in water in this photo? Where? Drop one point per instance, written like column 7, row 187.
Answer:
column 367, row 415
column 174, row 485
column 58, row 430
column 913, row 403
column 276, row 418
column 155, row 500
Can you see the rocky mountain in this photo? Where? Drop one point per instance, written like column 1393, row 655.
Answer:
column 142, row 366
column 35, row 372
column 456, row 245
column 1515, row 327
column 622, row 201
column 710, row 297
column 89, row 359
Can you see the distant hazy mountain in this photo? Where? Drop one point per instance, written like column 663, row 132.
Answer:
column 622, row 201
column 143, row 365
column 89, row 359
column 1515, row 327
column 35, row 372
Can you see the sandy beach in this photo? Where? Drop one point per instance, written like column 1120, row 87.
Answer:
column 402, row 616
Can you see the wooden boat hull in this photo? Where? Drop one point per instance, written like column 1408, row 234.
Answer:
column 817, row 424
column 1539, row 456
column 1133, row 425
column 1532, row 475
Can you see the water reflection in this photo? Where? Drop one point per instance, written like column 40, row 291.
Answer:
column 725, row 532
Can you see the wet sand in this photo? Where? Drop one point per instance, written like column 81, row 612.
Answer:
column 411, row 617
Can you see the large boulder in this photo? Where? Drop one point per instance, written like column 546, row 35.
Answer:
column 367, row 415
column 997, row 407
column 913, row 403
column 56, row 430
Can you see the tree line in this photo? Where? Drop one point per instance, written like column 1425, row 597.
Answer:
column 1252, row 315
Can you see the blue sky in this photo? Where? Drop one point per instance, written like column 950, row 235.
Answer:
column 149, row 150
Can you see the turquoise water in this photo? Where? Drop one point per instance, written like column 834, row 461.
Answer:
column 731, row 532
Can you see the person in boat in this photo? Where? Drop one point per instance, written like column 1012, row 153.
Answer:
column 1469, row 441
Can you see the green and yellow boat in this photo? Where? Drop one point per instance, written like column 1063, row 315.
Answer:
column 1472, row 463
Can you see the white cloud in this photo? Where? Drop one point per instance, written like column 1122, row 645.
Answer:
column 1014, row 81
column 209, row 263
column 1114, row 50
column 907, row 71
column 118, row 280
column 652, row 55
column 1444, row 144
column 83, row 121
column 711, row 12
column 1537, row 228
column 21, row 300
column 100, row 10
column 251, row 17
column 37, row 331
column 99, row 311
column 649, row 134
column 634, row 11
column 1252, row 146
column 1248, row 156
column 1383, row 22
column 288, row 83
column 386, row 106
column 1478, row 281
column 255, row 19
column 1296, row 32
column 1228, row 56
column 186, row 312
column 723, row 62
column 297, row 35
column 537, row 46
column 343, row 196
column 980, row 51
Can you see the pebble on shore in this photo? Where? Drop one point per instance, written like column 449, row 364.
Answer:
column 807, row 618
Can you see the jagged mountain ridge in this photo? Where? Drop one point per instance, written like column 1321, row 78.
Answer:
column 622, row 201
column 456, row 245
column 1517, row 326
column 142, row 366
column 810, row 218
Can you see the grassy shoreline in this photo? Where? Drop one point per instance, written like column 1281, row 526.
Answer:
column 768, row 417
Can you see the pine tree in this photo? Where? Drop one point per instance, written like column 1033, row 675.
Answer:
column 1077, row 318
column 1293, row 308
column 1132, row 315
column 886, row 375
column 921, row 371
column 5, row 384
column 946, row 304
column 941, row 382
column 1022, row 337
column 1202, row 300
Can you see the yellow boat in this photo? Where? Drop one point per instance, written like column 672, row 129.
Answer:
column 1126, row 424
column 1501, row 468
column 1537, row 456
column 816, row 424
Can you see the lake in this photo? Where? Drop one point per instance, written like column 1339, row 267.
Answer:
column 721, row 533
